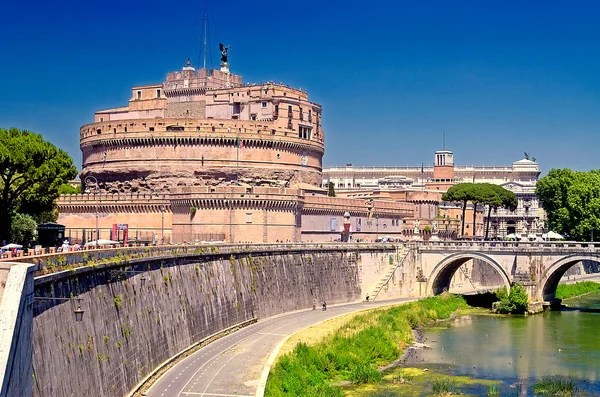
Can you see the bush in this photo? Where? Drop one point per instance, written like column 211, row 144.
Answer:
column 22, row 229
column 516, row 301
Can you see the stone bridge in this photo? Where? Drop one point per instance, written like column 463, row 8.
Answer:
column 537, row 266
column 145, row 305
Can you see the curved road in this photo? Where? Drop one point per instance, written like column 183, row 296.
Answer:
column 232, row 366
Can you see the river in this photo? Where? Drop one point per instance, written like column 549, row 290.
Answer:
column 521, row 350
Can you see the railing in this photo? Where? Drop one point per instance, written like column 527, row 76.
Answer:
column 70, row 261
column 569, row 246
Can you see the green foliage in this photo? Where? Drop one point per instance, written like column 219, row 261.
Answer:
column 356, row 350
column 516, row 301
column 565, row 291
column 494, row 196
column 118, row 301
column 554, row 386
column 331, row 190
column 69, row 189
column 193, row 211
column 22, row 229
column 571, row 200
column 31, row 173
column 443, row 387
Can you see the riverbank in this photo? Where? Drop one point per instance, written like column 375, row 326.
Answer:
column 567, row 291
column 354, row 352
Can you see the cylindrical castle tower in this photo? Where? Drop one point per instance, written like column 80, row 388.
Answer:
column 205, row 128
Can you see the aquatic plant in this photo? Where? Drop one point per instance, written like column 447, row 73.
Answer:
column 443, row 387
column 554, row 386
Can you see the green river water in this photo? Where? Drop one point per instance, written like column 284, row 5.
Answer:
column 519, row 350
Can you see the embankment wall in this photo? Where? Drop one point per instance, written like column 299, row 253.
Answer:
column 128, row 328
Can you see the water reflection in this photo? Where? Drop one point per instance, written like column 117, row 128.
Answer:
column 563, row 343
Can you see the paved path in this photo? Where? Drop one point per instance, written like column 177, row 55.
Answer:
column 232, row 365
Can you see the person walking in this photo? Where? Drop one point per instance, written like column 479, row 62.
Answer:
column 324, row 305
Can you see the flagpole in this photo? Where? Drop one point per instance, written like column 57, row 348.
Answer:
column 422, row 178
column 237, row 156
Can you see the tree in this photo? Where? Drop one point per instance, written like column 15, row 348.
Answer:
column 69, row 189
column 31, row 172
column 22, row 229
column 460, row 193
column 495, row 196
column 331, row 192
column 571, row 200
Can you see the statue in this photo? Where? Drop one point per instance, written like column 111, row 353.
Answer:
column 224, row 52
column 434, row 227
column 417, row 224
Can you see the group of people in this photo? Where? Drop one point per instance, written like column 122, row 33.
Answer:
column 315, row 305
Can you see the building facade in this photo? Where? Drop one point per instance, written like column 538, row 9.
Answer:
column 204, row 157
column 521, row 178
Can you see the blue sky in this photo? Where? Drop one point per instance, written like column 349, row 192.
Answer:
column 501, row 77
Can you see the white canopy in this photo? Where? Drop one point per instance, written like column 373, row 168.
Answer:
column 11, row 246
column 101, row 242
column 552, row 236
column 512, row 236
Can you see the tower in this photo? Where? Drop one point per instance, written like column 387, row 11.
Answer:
column 443, row 166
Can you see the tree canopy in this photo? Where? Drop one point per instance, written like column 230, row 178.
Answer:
column 494, row 196
column 331, row 190
column 31, row 173
column 571, row 200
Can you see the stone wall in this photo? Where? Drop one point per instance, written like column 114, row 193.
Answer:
column 129, row 328
column 15, row 333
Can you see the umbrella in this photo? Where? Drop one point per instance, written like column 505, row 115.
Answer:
column 11, row 246
column 512, row 236
column 101, row 242
column 552, row 236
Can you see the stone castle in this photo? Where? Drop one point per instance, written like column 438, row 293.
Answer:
column 203, row 157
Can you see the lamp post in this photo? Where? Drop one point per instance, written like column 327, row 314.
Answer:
column 162, row 224
column 87, row 180
column 78, row 312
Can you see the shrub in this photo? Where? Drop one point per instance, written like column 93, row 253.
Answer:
column 516, row 301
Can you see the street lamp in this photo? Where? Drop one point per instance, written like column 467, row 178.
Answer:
column 78, row 312
column 162, row 225
column 87, row 180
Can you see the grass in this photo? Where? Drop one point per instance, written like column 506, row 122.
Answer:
column 356, row 350
column 552, row 386
column 566, row 291
column 443, row 387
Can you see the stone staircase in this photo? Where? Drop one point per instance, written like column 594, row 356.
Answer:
column 387, row 275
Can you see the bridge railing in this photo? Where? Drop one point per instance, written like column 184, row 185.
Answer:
column 559, row 246
column 56, row 262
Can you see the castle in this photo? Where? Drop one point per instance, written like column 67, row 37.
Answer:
column 203, row 157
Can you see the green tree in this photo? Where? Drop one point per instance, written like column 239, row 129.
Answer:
column 69, row 189
column 31, row 172
column 495, row 196
column 571, row 200
column 331, row 192
column 22, row 228
column 460, row 193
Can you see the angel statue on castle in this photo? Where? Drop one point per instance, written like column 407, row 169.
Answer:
column 224, row 52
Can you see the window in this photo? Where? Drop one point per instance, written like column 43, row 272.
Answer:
column 139, row 95
column 101, row 119
column 304, row 132
column 276, row 112
column 263, row 104
column 151, row 129
column 248, row 217
column 158, row 93
column 253, row 116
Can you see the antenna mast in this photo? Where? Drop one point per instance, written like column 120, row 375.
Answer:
column 205, row 23
column 444, row 142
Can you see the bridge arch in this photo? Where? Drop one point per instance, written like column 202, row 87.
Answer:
column 441, row 275
column 558, row 269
